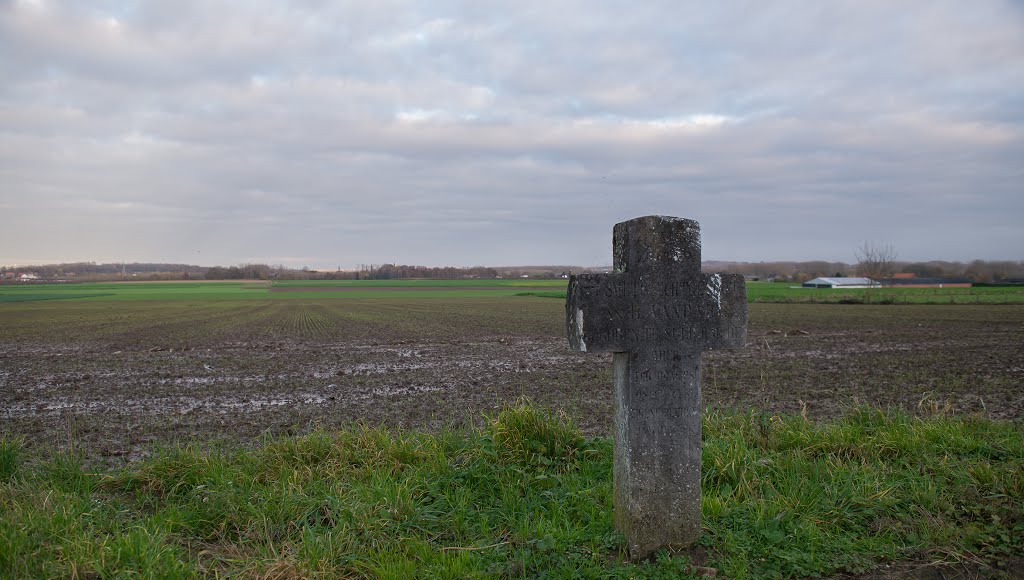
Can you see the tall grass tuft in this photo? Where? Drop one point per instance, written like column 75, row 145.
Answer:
column 11, row 454
column 527, row 435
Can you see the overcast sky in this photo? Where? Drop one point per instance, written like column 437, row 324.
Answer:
column 329, row 134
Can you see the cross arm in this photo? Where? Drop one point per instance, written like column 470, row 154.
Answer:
column 729, row 295
column 596, row 308
column 618, row 312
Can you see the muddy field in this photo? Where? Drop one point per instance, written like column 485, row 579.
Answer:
column 116, row 378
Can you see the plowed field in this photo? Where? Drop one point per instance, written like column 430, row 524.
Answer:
column 117, row 377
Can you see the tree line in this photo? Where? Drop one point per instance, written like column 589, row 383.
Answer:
column 91, row 271
column 872, row 265
column 987, row 271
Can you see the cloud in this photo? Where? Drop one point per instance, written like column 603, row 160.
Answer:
column 454, row 132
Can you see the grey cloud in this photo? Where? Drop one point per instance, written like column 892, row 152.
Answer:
column 455, row 132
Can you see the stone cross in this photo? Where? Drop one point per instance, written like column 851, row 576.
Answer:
column 656, row 312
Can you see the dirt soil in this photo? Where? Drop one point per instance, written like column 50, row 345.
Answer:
column 116, row 378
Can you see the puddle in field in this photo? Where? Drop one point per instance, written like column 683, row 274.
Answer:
column 164, row 405
column 392, row 391
column 854, row 350
column 194, row 381
column 250, row 405
column 161, row 403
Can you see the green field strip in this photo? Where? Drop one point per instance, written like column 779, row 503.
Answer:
column 34, row 297
column 401, row 295
column 771, row 292
column 406, row 289
column 137, row 291
column 496, row 283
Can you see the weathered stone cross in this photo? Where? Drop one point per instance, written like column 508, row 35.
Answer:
column 657, row 312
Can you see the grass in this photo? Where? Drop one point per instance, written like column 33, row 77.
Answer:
column 793, row 294
column 524, row 495
column 118, row 291
column 37, row 296
column 294, row 289
column 496, row 283
column 357, row 289
column 772, row 292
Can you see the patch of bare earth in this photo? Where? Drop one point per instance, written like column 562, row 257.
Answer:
column 119, row 380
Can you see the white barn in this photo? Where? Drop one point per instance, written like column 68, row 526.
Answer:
column 841, row 283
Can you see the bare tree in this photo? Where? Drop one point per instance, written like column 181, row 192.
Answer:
column 876, row 260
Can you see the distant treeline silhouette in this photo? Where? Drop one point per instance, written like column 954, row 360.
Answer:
column 987, row 271
column 977, row 270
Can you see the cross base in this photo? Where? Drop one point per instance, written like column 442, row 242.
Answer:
column 657, row 448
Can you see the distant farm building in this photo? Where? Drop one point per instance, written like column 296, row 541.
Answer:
column 841, row 283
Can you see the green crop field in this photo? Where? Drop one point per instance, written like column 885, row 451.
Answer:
column 322, row 289
column 134, row 291
column 490, row 283
column 777, row 292
column 287, row 289
column 794, row 294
